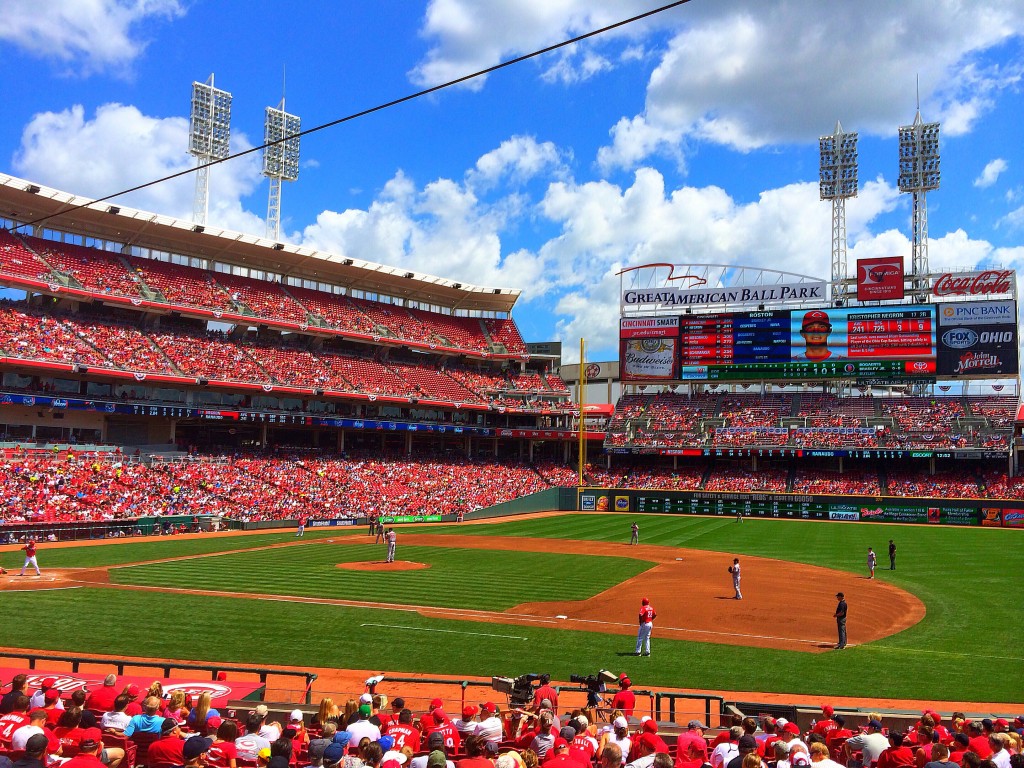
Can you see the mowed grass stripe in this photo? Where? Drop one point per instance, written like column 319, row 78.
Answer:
column 463, row 578
column 268, row 633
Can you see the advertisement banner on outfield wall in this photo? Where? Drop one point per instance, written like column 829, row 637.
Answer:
column 992, row 517
column 1013, row 518
column 622, row 503
column 331, row 523
column 410, row 518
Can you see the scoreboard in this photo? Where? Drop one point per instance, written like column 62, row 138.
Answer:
column 878, row 343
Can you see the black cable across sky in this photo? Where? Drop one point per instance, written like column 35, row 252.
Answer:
column 363, row 113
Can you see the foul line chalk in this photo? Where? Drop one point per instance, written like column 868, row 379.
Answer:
column 447, row 631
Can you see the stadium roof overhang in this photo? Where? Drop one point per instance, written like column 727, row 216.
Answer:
column 26, row 202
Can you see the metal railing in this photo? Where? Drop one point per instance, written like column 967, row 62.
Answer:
column 671, row 698
column 263, row 673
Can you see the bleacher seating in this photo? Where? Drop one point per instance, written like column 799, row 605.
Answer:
column 19, row 261
column 93, row 269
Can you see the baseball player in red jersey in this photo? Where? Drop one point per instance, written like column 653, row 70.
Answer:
column 30, row 558
column 643, row 635
column 303, row 519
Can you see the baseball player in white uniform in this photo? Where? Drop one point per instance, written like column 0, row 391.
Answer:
column 734, row 569
column 391, row 537
column 872, row 561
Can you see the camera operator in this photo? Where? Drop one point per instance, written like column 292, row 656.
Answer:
column 625, row 699
column 545, row 691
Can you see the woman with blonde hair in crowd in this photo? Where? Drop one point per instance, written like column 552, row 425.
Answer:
column 351, row 713
column 176, row 708
column 328, row 713
column 200, row 715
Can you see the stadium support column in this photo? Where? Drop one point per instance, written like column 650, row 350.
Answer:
column 263, row 435
column 838, row 181
column 408, row 443
column 919, row 174
column 341, row 441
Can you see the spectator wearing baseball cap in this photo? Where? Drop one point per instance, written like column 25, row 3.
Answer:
column 490, row 726
column 333, row 755
column 434, row 743
column 642, row 752
column 35, row 752
column 444, row 726
column 133, row 692
column 38, row 699
column 466, row 725
column 624, row 698
column 826, row 724
column 169, row 748
column 89, row 750
column 559, row 756
column 815, row 328
column 362, row 727
column 728, row 749
column 427, row 720
column 871, row 743
column 746, row 745
column 195, row 749
column 691, row 746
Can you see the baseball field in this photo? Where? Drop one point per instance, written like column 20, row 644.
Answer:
column 556, row 593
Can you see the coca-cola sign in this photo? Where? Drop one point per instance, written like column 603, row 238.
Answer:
column 990, row 282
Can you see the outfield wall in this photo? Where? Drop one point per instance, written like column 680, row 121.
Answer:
column 877, row 509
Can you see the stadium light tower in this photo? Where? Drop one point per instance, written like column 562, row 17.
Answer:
column 919, row 173
column 837, row 183
column 209, row 135
column 280, row 160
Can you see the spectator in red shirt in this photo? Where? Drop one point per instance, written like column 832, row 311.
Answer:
column 691, row 746
column 558, row 756
column 102, row 699
column 168, row 749
column 89, row 749
column 545, row 691
column 625, row 699
column 898, row 755
column 474, row 754
column 960, row 746
column 978, row 740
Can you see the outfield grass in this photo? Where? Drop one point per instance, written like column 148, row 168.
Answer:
column 964, row 649
column 458, row 578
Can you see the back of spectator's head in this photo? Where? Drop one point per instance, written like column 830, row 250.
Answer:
column 750, row 760
column 70, row 718
column 940, row 751
column 36, row 745
column 329, row 729
column 839, row 720
column 121, row 701
column 437, row 759
column 735, row 732
column 781, row 750
column 228, row 730
column 818, row 749
column 975, row 727
column 611, row 755
column 397, row 704
column 253, row 723
column 547, row 719
column 151, row 705
column 372, row 754
column 21, row 703
column 749, row 725
column 896, row 737
column 18, row 682
column 971, row 760
column 405, row 717
column 282, row 747
column 545, row 679
column 747, row 744
column 474, row 745
column 435, row 741
column 662, row 760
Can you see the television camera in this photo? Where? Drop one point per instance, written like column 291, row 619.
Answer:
column 519, row 689
column 595, row 685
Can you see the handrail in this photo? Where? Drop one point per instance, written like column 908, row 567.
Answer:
column 707, row 698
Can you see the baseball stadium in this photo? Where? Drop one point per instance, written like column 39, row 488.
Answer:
column 286, row 482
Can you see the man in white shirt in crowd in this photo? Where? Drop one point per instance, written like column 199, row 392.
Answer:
column 490, row 726
column 727, row 750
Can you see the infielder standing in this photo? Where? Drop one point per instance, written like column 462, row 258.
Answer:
column 734, row 569
column 643, row 635
column 30, row 558
column 872, row 560
column 634, row 534
column 391, row 538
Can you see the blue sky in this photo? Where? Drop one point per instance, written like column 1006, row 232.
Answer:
column 690, row 137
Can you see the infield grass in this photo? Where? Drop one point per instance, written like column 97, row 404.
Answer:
column 964, row 649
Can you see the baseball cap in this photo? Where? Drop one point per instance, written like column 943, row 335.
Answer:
column 1002, row 721
column 827, row 709
column 962, row 739
column 874, row 724
column 196, row 746
column 791, row 728
column 48, row 682
column 366, row 699
column 560, row 743
column 650, row 726
column 696, row 724
column 650, row 741
column 295, row 716
column 568, row 732
column 816, row 317
column 545, row 703
column 364, row 709
column 781, row 722
column 436, row 703
column 469, row 710
column 645, row 601
column 488, row 706
column 168, row 725
column 386, row 742
column 213, row 722
column 840, row 595
column 392, row 763
column 435, row 739
column 582, row 721
column 36, row 743
column 800, row 759
column 437, row 759
column 264, row 754
column 438, row 714
column 90, row 739
column 392, row 756
column 334, row 752
column 624, row 680
column 620, row 722
column 262, row 710
column 491, row 748
column 747, row 742
column 342, row 738
column 132, row 690
column 52, row 694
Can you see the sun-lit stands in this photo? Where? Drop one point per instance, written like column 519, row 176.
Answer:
column 94, row 269
column 557, row 474
column 38, row 337
column 479, row 380
column 505, row 332
column 949, row 483
column 736, row 478
column 125, row 346
column 431, row 384
column 830, row 411
column 209, row 357
column 742, row 437
column 686, row 478
column 367, row 376
column 453, row 330
column 336, row 309
column 1000, row 410
column 840, row 483
column 384, row 316
column 527, row 382
column 295, row 367
column 555, row 383
column 753, row 411
column 264, row 298
column 835, row 437
column 996, row 485
column 19, row 261
column 181, row 285
column 994, row 441
column 923, row 414
column 603, row 477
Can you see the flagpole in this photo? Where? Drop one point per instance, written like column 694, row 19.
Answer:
column 580, row 400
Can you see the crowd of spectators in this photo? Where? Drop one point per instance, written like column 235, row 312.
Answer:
column 824, row 481
column 732, row 477
column 951, row 483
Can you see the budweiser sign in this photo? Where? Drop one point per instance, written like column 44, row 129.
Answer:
column 987, row 283
column 973, row 361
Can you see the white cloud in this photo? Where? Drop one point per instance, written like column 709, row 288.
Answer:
column 470, row 35
column 990, row 174
column 518, row 159
column 87, row 35
column 119, row 148
column 1014, row 219
column 728, row 78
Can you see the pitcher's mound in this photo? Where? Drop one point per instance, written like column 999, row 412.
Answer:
column 380, row 565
